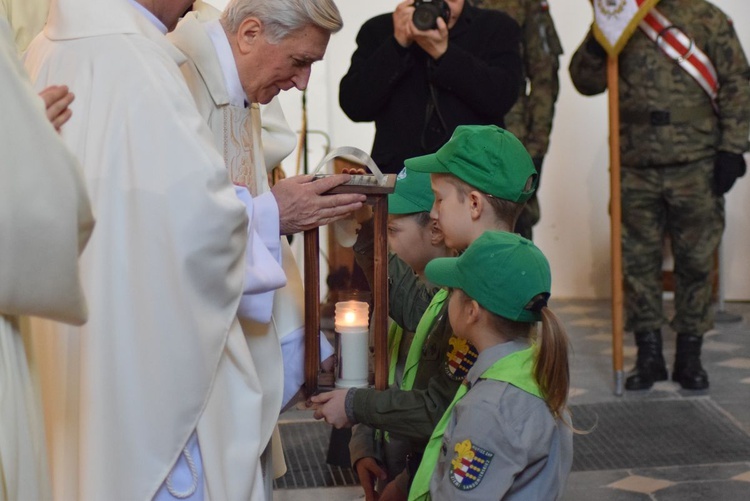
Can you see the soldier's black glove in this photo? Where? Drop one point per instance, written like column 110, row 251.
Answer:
column 594, row 48
column 538, row 161
column 727, row 168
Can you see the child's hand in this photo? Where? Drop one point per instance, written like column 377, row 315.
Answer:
column 297, row 400
column 363, row 214
column 330, row 406
column 353, row 171
column 393, row 492
column 329, row 364
column 369, row 471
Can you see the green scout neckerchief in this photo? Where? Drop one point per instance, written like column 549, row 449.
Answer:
column 395, row 334
column 415, row 350
column 423, row 328
column 515, row 369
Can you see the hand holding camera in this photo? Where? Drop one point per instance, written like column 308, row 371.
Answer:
column 428, row 12
column 424, row 22
column 402, row 25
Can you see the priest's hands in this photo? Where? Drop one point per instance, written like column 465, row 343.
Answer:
column 302, row 205
column 57, row 98
column 331, row 406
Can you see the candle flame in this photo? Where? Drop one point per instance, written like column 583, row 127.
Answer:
column 350, row 317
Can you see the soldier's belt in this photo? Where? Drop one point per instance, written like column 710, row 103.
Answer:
column 666, row 117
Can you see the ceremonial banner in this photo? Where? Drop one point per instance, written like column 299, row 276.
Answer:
column 616, row 20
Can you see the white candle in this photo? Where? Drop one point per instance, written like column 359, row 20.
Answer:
column 351, row 323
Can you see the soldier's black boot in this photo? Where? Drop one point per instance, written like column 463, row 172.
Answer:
column 649, row 366
column 688, row 370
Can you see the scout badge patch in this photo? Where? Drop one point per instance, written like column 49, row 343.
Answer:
column 461, row 358
column 469, row 465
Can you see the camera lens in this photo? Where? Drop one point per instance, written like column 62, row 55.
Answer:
column 425, row 16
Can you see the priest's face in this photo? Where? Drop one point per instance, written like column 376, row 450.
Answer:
column 265, row 68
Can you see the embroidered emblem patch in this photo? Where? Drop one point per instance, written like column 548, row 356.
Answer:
column 469, row 465
column 460, row 358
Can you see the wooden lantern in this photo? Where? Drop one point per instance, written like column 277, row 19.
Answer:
column 377, row 197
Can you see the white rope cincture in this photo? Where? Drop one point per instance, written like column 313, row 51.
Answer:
column 193, row 473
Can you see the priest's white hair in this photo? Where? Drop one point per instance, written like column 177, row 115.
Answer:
column 281, row 17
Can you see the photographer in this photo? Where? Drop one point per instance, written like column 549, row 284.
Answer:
column 419, row 85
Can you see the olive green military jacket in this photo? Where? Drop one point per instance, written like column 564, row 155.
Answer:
column 666, row 118
column 530, row 119
column 412, row 414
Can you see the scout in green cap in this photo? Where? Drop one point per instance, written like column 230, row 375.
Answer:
column 412, row 236
column 506, row 430
column 481, row 178
column 390, row 419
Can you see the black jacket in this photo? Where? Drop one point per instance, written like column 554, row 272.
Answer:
column 475, row 82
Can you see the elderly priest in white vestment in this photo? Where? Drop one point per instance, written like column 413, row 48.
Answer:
column 232, row 64
column 45, row 221
column 158, row 396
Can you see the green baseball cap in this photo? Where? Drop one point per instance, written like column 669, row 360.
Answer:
column 489, row 158
column 502, row 271
column 413, row 193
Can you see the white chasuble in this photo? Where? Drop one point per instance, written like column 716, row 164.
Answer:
column 26, row 19
column 45, row 220
column 163, row 354
column 237, row 131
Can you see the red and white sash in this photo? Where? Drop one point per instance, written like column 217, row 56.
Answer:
column 682, row 49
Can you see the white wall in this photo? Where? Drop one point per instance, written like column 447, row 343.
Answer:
column 574, row 230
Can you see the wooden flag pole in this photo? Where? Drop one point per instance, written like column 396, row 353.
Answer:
column 616, row 222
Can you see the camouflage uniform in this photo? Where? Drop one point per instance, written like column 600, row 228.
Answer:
column 530, row 119
column 670, row 139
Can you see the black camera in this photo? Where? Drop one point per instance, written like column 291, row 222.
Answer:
column 427, row 12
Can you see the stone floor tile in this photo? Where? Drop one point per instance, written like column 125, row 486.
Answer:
column 696, row 473
column 576, row 392
column 575, row 309
column 743, row 477
column 721, row 346
column 726, row 490
column 644, row 485
column 628, row 351
column 591, row 322
column 599, row 336
column 736, row 363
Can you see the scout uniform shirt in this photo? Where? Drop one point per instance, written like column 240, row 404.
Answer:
column 499, row 441
column 444, row 362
